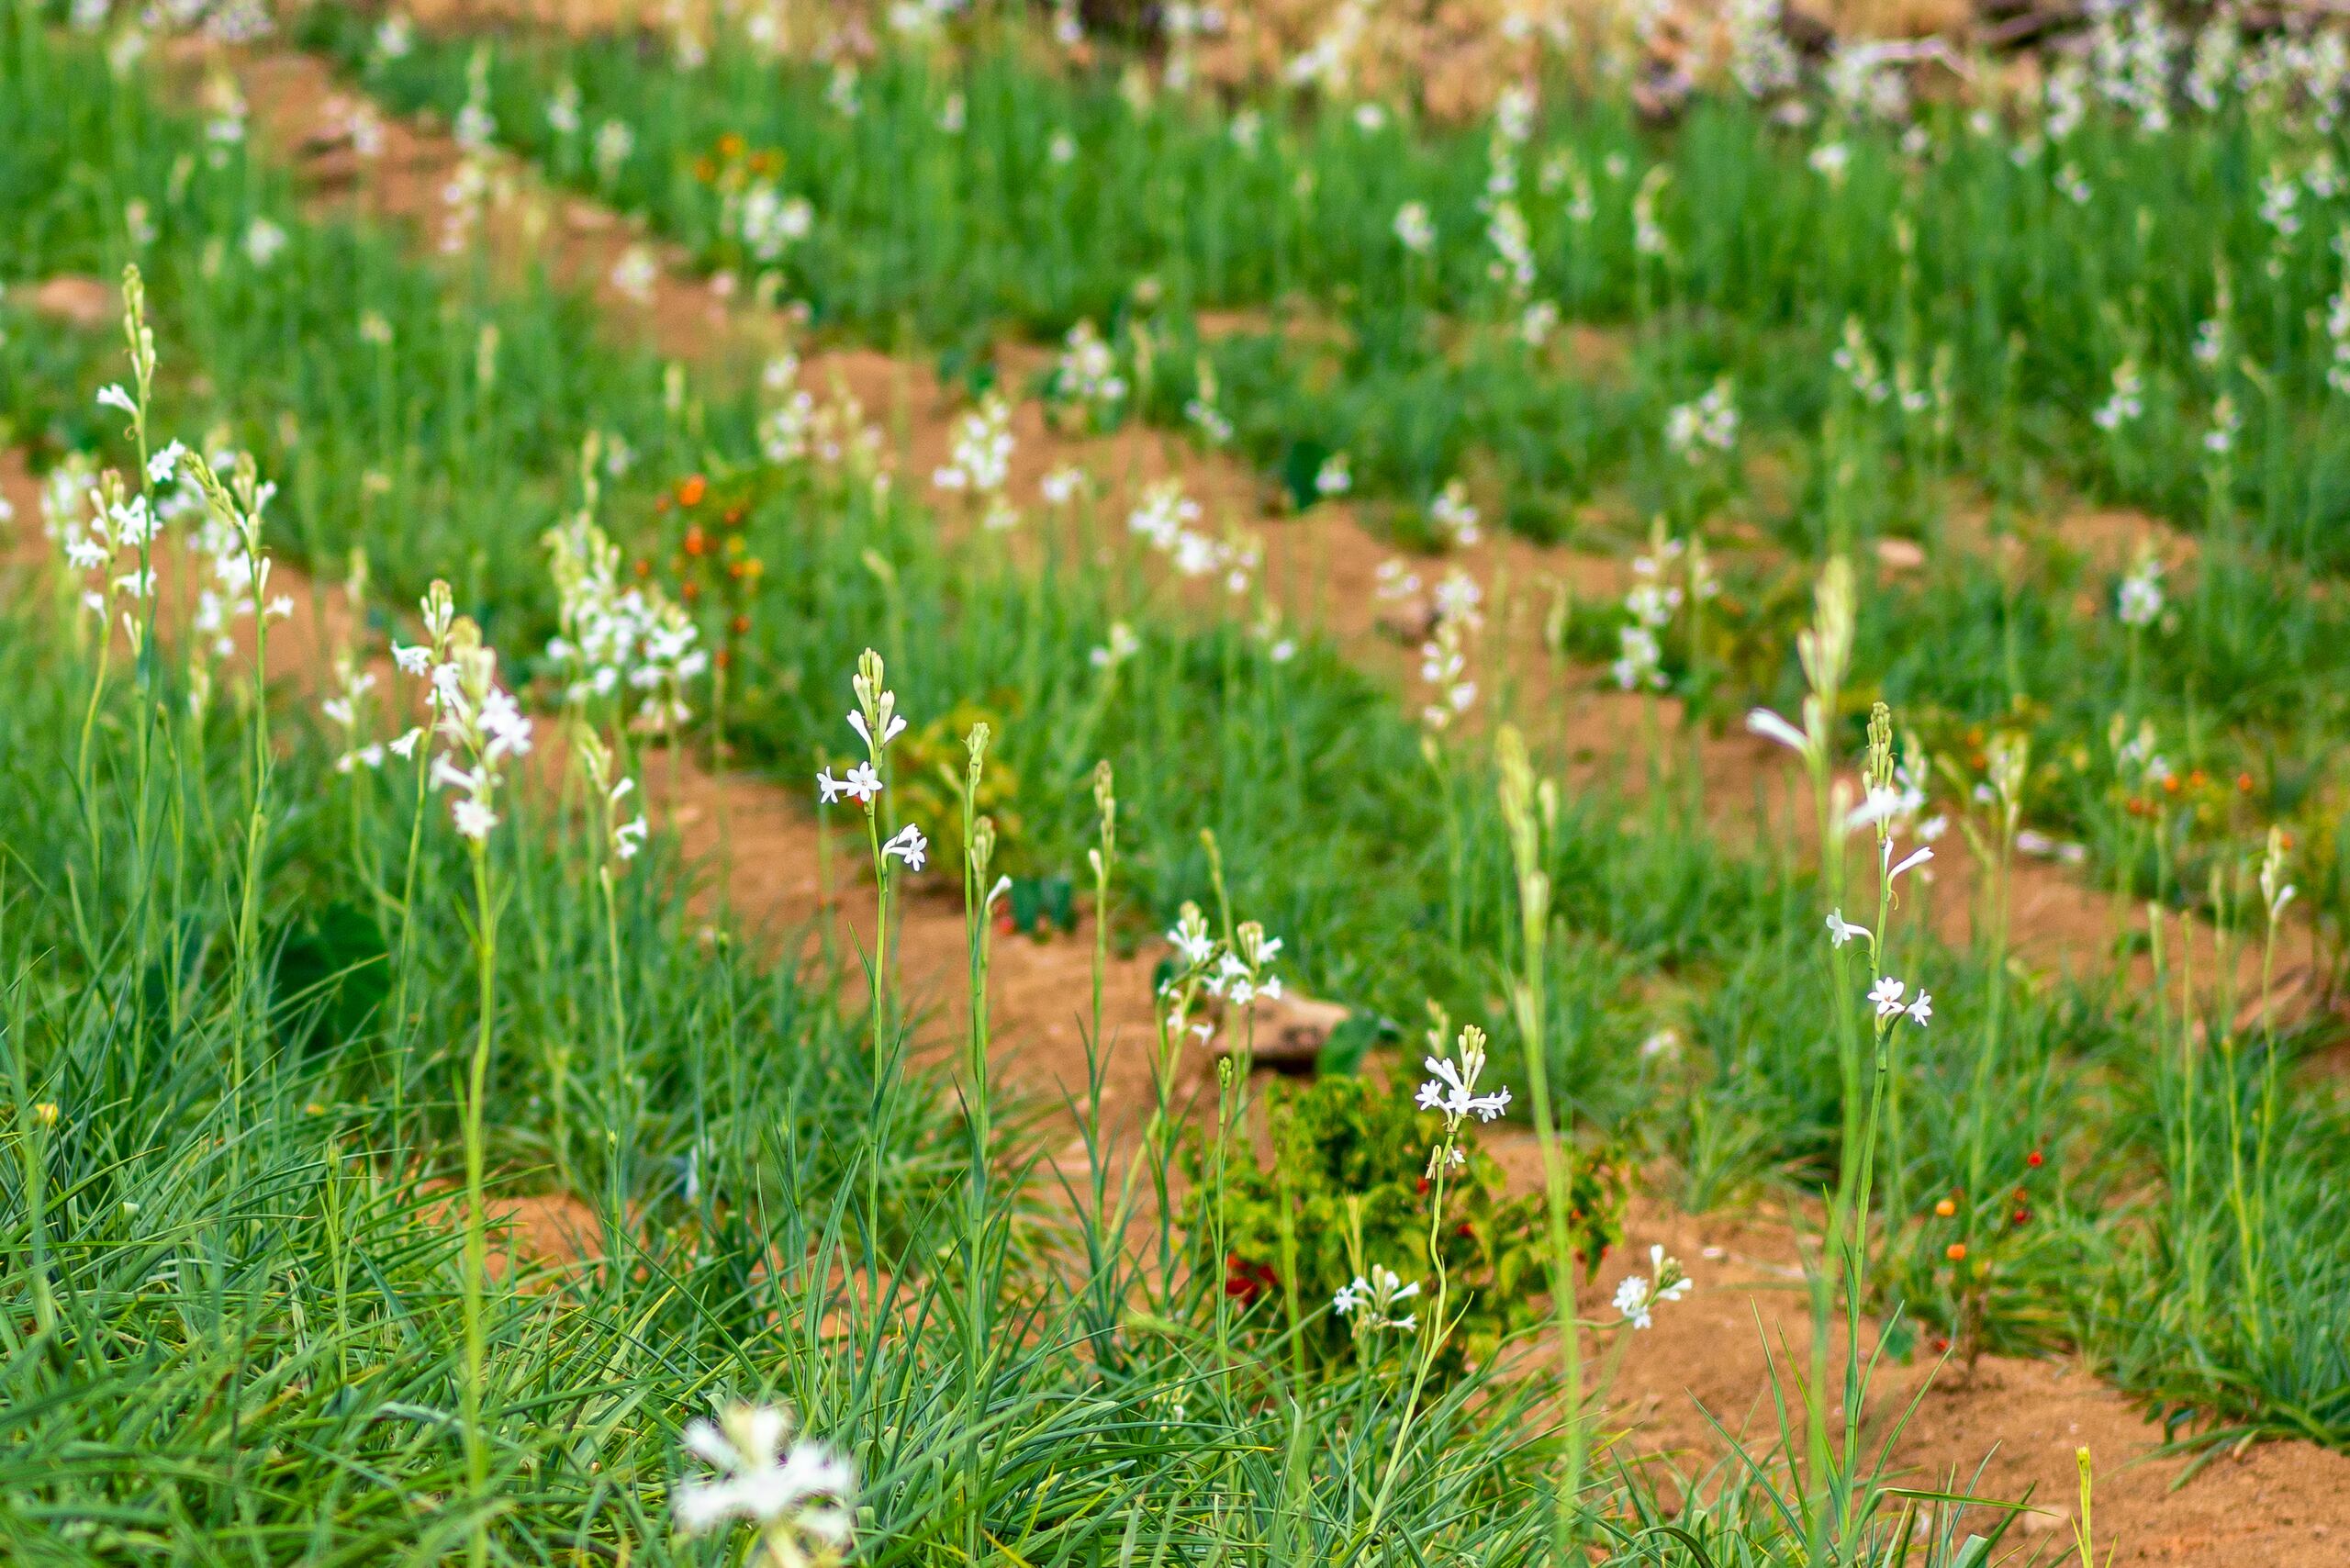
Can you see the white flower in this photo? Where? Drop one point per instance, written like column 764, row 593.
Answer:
column 908, row 845
column 1841, row 931
column 1637, row 1299
column 405, row 746
column 2127, row 404
column 1771, row 727
column 1452, row 1092
column 1707, row 423
column 1371, row 1301
column 1886, row 995
column 800, row 1494
column 1920, row 1010
column 1123, row 646
column 473, row 818
column 1190, row 939
column 1333, row 478
column 892, row 727
column 861, row 784
column 263, row 242
column 635, row 273
column 1454, row 514
column 1918, row 856
column 1414, row 229
column 415, row 661
column 112, row 395
column 2140, row 601
column 614, row 143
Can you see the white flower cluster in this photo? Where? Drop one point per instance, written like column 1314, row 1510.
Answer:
column 1087, row 374
column 1120, row 645
column 615, row 639
column 1237, row 972
column 479, row 719
column 1864, row 78
column 1857, row 359
column 227, row 116
column 1444, row 656
column 1335, row 477
column 1204, row 410
column 2337, row 323
column 1329, row 63
column 1639, row 1296
column 615, row 144
column 1704, row 426
column 462, row 199
column 1885, row 996
column 1455, row 516
column 979, row 463
column 2127, row 404
column 1648, row 236
column 1452, row 1093
column 476, row 128
column 877, row 722
column 2139, row 601
column 1371, row 1301
column 346, row 711
column 797, row 1495
column 240, row 573
column 1650, row 605
column 771, row 222
column 1761, row 59
column 1414, row 229
column 101, row 526
column 1165, row 519
column 783, row 429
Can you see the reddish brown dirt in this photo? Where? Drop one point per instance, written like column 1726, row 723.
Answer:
column 2277, row 1505
column 2281, row 1504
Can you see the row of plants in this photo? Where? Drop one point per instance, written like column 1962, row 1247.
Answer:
column 2237, row 673
column 1959, row 288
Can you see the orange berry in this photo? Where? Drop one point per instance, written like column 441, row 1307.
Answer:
column 1946, row 1208
column 2243, row 783
column 1955, row 1251
column 690, row 493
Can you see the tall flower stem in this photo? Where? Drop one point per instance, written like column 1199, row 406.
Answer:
column 1522, row 813
column 476, row 1270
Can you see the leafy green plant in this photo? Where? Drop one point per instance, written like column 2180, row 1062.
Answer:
column 1347, row 1190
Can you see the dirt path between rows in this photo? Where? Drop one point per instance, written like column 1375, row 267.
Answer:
column 2282, row 1504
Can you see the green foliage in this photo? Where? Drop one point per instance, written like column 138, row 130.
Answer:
column 1347, row 1189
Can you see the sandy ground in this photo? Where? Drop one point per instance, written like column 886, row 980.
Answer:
column 2280, row 1504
